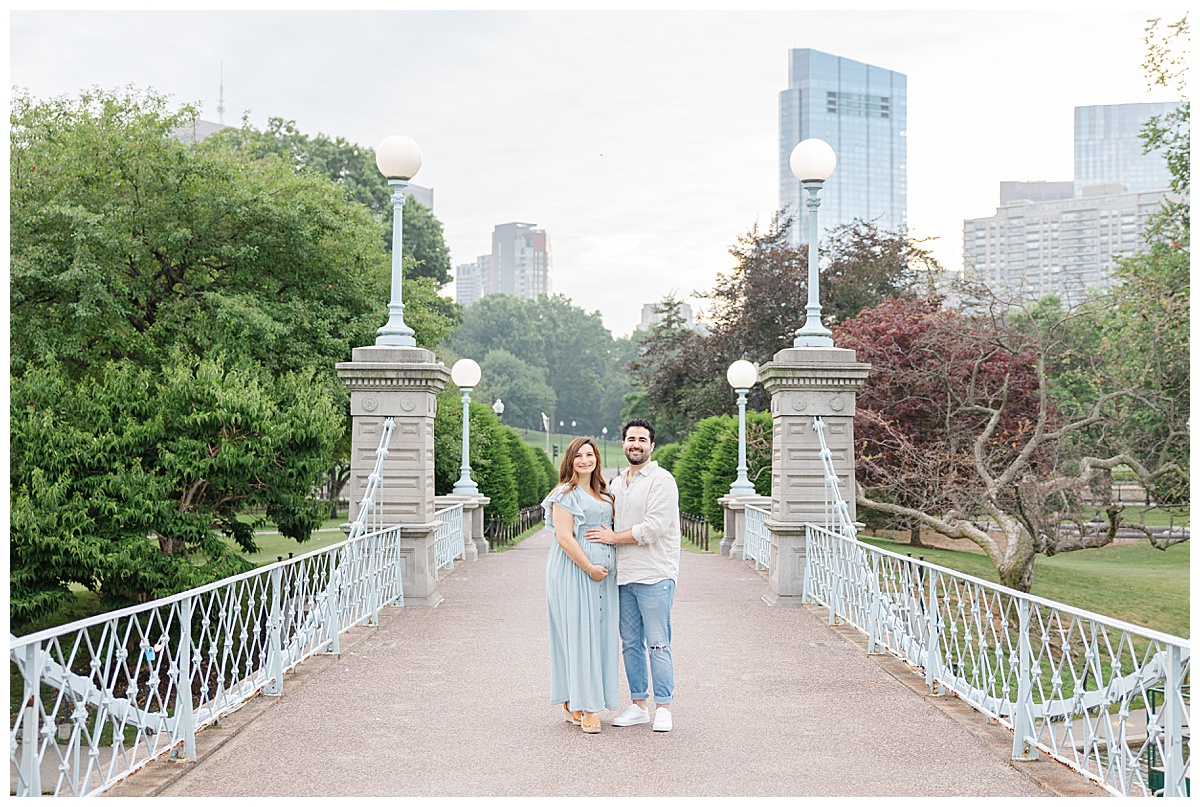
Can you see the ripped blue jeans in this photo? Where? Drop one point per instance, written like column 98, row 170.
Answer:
column 646, row 630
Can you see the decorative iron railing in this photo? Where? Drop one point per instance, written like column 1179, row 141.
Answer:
column 449, row 540
column 102, row 697
column 1104, row 697
column 500, row 532
column 758, row 539
column 695, row 530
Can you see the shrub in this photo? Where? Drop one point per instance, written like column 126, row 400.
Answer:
column 693, row 460
column 666, row 454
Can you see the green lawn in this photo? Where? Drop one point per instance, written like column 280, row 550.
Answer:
column 1135, row 582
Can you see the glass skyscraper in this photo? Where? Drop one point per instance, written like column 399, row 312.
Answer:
column 862, row 112
column 1108, row 147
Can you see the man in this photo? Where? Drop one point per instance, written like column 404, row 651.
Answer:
column 646, row 520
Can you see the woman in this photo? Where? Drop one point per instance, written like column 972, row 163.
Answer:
column 581, row 590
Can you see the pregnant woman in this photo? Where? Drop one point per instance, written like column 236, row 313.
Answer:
column 581, row 591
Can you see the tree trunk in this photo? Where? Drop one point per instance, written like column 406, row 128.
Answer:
column 914, row 536
column 1017, row 574
column 171, row 545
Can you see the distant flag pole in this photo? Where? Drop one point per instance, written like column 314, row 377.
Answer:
column 546, row 429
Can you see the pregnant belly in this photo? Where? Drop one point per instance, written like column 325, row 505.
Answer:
column 603, row 554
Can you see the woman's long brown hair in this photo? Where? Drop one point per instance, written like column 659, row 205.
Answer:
column 566, row 471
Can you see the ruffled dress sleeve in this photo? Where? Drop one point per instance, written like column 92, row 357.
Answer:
column 566, row 499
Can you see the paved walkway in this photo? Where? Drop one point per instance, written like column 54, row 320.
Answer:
column 453, row 701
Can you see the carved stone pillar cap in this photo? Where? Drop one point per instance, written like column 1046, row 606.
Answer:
column 393, row 354
column 837, row 356
column 739, row 501
column 470, row 499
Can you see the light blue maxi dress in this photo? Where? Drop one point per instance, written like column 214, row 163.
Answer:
column 584, row 615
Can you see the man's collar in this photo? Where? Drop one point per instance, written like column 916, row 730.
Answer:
column 643, row 468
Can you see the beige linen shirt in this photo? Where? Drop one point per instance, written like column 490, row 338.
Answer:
column 649, row 506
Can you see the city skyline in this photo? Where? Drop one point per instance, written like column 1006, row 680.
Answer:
column 646, row 142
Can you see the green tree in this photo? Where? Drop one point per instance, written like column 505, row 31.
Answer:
column 124, row 482
column 426, row 266
column 571, row 346
column 721, row 469
column 492, row 467
column 526, row 470
column 758, row 305
column 424, row 242
column 693, row 460
column 666, row 367
column 127, row 242
column 522, row 387
column 133, row 251
column 666, row 454
column 352, row 167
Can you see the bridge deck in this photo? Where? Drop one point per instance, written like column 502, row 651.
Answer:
column 453, row 701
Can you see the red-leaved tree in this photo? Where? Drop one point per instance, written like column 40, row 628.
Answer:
column 957, row 431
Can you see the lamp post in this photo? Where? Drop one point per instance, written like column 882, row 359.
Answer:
column 465, row 373
column 498, row 407
column 604, row 444
column 560, row 428
column 398, row 158
column 812, row 163
column 741, row 375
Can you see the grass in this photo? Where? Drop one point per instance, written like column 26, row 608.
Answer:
column 714, row 543
column 1133, row 582
column 517, row 540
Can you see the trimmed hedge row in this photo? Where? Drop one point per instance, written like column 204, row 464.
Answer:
column 512, row 473
column 706, row 464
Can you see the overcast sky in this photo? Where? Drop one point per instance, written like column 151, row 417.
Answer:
column 644, row 143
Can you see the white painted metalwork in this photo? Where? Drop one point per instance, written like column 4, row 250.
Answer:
column 104, row 696
column 449, row 540
column 1107, row 698
column 758, row 539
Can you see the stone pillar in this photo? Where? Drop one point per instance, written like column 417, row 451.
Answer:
column 803, row 382
column 733, row 545
column 474, row 542
column 401, row 383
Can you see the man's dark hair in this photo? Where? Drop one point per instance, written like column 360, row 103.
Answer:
column 638, row 423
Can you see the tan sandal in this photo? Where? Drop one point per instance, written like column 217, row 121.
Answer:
column 591, row 723
column 573, row 718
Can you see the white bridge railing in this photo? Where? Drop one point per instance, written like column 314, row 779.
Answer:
column 758, row 539
column 103, row 696
column 449, row 540
column 1107, row 698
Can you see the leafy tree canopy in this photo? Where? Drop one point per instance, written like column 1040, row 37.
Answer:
column 352, row 168
column 127, row 242
column 177, row 308
column 758, row 305
column 573, row 349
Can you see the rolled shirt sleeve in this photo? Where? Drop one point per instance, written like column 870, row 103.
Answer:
column 661, row 520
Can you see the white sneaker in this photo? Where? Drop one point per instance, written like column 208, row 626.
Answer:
column 632, row 715
column 662, row 719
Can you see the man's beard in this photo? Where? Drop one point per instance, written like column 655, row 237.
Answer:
column 641, row 455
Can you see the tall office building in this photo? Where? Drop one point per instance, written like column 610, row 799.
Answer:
column 1067, row 245
column 1066, row 237
column 862, row 112
column 468, row 280
column 519, row 264
column 1108, row 147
